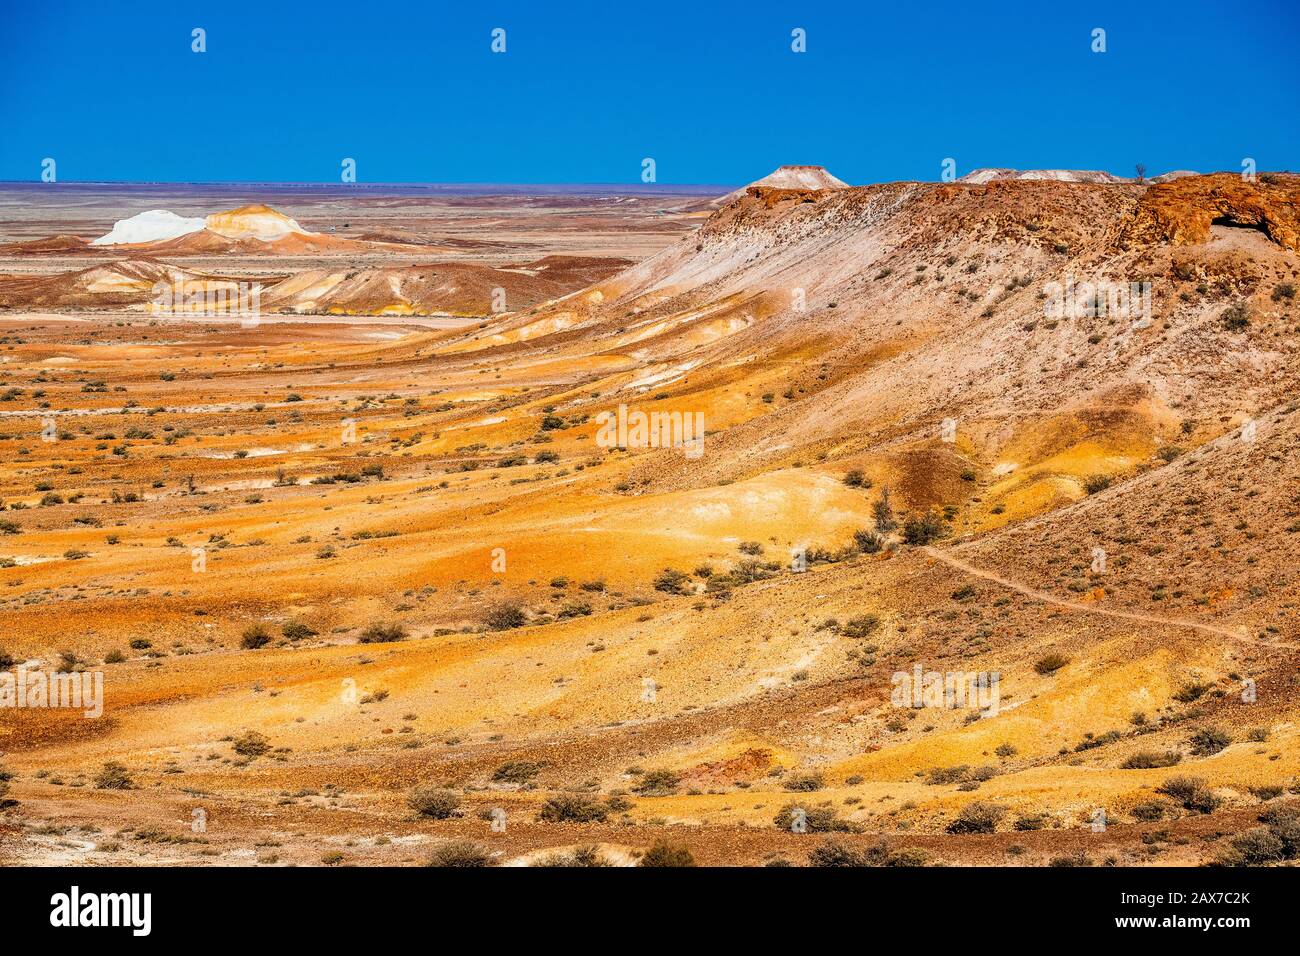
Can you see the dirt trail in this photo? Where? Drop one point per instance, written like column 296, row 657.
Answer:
column 1047, row 598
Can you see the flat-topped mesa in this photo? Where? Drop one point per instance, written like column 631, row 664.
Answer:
column 253, row 222
column 815, row 178
column 160, row 225
column 977, row 177
column 801, row 177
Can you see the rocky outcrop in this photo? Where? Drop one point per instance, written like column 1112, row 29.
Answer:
column 1181, row 212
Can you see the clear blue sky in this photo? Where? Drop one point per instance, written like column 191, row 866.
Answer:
column 111, row 90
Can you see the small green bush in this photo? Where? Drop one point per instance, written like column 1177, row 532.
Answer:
column 114, row 776
column 1050, row 663
column 255, row 636
column 380, row 633
column 977, row 818
column 460, row 853
column 434, row 803
column 663, row 853
column 573, row 808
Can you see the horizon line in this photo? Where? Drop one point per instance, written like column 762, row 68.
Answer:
column 640, row 187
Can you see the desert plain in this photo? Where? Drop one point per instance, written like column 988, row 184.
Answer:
column 368, row 583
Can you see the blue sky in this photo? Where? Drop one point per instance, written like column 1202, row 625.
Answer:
column 711, row 91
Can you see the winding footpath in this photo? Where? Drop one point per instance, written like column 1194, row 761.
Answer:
column 1237, row 635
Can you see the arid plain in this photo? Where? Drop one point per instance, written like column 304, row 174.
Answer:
column 368, row 584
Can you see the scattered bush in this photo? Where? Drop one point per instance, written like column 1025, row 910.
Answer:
column 815, row 819
column 516, row 771
column 835, row 853
column 861, row 625
column 505, row 616
column 1050, row 663
column 434, row 803
column 1277, row 842
column 664, row 853
column 251, row 744
column 803, row 782
column 672, row 581
column 923, row 529
column 868, row 542
column 460, row 853
column 977, row 818
column 1095, row 483
column 1191, row 691
column 583, row 856
column 1257, row 847
column 855, row 479
column 883, row 512
column 573, row 808
column 575, row 609
column 1235, row 317
column 1150, row 810
column 114, row 776
column 1210, row 741
column 255, row 636
column 658, row 783
column 1192, row 793
column 382, row 634
column 942, row 776
column 1149, row 760
column 1030, row 822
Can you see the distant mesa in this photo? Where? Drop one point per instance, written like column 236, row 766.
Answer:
column 801, row 177
column 787, row 177
column 254, row 222
column 161, row 225
column 155, row 225
column 996, row 174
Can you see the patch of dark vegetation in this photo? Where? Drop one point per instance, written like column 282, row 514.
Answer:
column 1149, row 760
column 516, row 771
column 461, row 853
column 505, row 617
column 1191, row 793
column 114, row 776
column 977, row 818
column 382, row 633
column 573, row 808
column 583, row 856
column 837, row 853
column 663, row 853
column 821, row 819
column 1278, row 841
column 434, row 803
column 1050, row 663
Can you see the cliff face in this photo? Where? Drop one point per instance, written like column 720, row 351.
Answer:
column 1182, row 211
